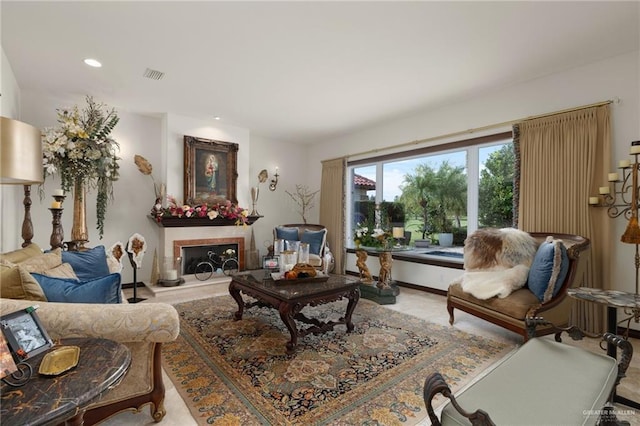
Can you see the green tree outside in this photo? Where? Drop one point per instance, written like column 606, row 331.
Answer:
column 437, row 197
column 495, row 207
column 434, row 200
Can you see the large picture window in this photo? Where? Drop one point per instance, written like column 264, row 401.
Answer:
column 454, row 188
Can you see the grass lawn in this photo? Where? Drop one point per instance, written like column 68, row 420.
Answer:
column 415, row 227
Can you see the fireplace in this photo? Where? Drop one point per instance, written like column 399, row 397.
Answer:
column 192, row 240
column 194, row 251
column 193, row 255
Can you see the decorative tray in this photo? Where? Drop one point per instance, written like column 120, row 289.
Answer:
column 59, row 360
column 278, row 277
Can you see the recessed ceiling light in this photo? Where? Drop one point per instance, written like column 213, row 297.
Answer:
column 216, row 118
column 92, row 63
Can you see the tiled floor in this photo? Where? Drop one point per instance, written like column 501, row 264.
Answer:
column 413, row 302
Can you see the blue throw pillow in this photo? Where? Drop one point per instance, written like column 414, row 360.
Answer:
column 315, row 240
column 548, row 270
column 87, row 264
column 284, row 233
column 106, row 289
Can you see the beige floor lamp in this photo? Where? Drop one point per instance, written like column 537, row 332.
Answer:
column 21, row 163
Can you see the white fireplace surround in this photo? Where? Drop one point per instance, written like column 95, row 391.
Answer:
column 173, row 239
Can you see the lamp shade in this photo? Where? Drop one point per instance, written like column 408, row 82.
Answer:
column 21, row 153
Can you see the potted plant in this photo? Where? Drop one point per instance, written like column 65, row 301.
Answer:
column 444, row 227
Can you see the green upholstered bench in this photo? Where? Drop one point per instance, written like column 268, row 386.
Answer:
column 542, row 382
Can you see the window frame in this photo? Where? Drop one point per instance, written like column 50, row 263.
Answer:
column 472, row 147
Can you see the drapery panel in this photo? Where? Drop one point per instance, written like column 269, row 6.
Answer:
column 561, row 160
column 332, row 202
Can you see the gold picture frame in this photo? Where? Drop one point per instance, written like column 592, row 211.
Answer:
column 210, row 171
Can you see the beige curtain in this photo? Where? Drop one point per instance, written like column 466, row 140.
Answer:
column 564, row 158
column 332, row 202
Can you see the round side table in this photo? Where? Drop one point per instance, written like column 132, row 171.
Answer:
column 45, row 400
column 612, row 299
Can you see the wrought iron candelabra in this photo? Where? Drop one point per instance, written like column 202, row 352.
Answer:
column 620, row 197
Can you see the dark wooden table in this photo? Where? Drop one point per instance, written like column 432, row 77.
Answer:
column 52, row 400
column 290, row 299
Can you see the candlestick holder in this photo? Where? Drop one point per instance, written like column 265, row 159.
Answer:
column 59, row 198
column 620, row 197
column 57, row 233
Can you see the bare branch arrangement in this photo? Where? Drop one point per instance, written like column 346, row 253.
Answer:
column 304, row 199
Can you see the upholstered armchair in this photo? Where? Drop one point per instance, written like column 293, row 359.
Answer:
column 315, row 235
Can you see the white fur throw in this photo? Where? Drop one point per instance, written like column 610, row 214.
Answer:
column 497, row 261
column 507, row 247
column 500, row 282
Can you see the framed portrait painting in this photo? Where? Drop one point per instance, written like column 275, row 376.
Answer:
column 210, row 171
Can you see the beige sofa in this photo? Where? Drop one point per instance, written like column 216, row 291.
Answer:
column 141, row 327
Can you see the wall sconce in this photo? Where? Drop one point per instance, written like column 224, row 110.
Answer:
column 274, row 182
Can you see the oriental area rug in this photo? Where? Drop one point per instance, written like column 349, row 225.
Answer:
column 238, row 373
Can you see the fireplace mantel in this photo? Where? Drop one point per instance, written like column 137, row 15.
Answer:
column 177, row 222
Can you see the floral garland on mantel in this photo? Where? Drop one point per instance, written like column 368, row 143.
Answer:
column 227, row 210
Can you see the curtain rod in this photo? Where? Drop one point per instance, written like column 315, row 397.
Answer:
column 478, row 129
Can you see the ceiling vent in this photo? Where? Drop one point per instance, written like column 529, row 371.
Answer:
column 153, row 74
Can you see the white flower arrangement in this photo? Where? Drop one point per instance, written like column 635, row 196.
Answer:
column 81, row 150
column 374, row 238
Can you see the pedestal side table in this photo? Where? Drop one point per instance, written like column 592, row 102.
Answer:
column 384, row 290
column 612, row 299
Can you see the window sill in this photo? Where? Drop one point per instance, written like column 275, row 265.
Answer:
column 420, row 255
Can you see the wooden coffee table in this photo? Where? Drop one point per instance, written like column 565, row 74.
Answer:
column 290, row 299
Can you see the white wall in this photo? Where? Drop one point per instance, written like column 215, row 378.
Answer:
column 178, row 126
column 276, row 206
column 10, row 99
column 10, row 195
column 615, row 77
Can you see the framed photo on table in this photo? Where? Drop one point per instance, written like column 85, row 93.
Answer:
column 271, row 263
column 210, row 171
column 25, row 334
